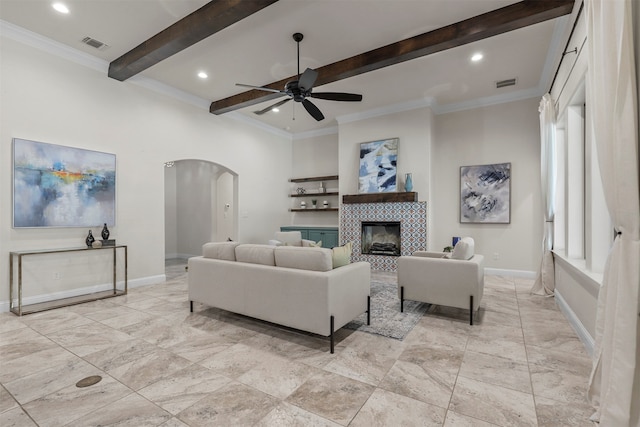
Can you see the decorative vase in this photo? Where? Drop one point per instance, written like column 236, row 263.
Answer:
column 105, row 232
column 408, row 182
column 322, row 189
column 90, row 239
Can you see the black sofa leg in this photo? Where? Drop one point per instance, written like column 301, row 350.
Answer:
column 471, row 309
column 368, row 309
column 191, row 306
column 401, row 299
column 331, row 334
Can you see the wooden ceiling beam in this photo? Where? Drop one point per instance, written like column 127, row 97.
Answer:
column 509, row 18
column 209, row 19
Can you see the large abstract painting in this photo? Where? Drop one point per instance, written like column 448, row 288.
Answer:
column 378, row 162
column 485, row 193
column 57, row 186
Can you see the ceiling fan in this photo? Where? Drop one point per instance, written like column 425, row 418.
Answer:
column 301, row 89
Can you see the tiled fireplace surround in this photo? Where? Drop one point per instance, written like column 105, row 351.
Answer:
column 413, row 228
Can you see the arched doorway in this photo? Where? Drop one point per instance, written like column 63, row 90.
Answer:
column 200, row 206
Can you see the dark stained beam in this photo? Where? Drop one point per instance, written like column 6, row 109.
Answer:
column 209, row 19
column 479, row 27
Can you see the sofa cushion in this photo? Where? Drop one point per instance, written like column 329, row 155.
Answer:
column 464, row 249
column 311, row 244
column 256, row 254
column 341, row 255
column 220, row 250
column 314, row 259
column 289, row 238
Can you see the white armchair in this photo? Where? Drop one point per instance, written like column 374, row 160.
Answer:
column 431, row 278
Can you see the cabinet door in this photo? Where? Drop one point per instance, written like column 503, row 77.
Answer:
column 329, row 237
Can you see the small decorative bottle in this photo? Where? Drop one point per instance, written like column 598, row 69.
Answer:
column 105, row 232
column 322, row 189
column 408, row 182
column 90, row 239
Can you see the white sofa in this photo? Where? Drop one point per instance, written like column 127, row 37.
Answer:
column 291, row 286
column 435, row 278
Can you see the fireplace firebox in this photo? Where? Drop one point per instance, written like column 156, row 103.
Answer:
column 381, row 238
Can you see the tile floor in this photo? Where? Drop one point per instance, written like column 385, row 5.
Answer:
column 520, row 365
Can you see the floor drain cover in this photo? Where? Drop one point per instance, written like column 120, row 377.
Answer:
column 86, row 382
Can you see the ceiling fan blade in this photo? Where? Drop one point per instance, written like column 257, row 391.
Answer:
column 271, row 107
column 266, row 89
column 312, row 109
column 337, row 96
column 307, row 79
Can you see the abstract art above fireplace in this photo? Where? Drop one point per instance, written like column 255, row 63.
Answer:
column 378, row 163
column 413, row 229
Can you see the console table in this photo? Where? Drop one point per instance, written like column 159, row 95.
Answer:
column 18, row 308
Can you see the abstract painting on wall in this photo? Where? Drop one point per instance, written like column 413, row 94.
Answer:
column 57, row 186
column 485, row 193
column 378, row 162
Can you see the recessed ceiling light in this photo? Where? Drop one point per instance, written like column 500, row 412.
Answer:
column 476, row 57
column 202, row 75
column 61, row 7
column 275, row 110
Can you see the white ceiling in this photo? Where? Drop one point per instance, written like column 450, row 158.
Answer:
column 260, row 50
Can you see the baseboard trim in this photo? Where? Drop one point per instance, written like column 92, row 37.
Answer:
column 133, row 283
column 586, row 338
column 512, row 273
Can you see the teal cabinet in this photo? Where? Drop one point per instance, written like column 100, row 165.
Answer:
column 328, row 235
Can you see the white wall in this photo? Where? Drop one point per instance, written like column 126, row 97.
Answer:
column 49, row 99
column 312, row 157
column 170, row 214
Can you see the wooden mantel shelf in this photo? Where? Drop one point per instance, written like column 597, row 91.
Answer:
column 408, row 196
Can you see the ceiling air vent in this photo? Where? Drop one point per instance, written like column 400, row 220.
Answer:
column 505, row 83
column 95, row 43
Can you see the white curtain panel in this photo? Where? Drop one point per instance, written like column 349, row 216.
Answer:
column 614, row 387
column 545, row 282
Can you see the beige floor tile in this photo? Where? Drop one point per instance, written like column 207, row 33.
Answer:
column 236, row 360
column 233, row 404
column 54, row 320
column 419, row 382
column 7, row 401
column 559, row 385
column 53, row 378
column 552, row 413
column 439, row 333
column 277, row 376
column 130, row 411
column 22, row 342
column 332, row 396
column 90, row 338
column 16, row 417
column 33, row 363
column 120, row 354
column 10, row 322
column 384, row 408
column 561, row 338
column 148, row 369
column 498, row 340
column 494, row 404
column 496, row 370
column 578, row 363
column 289, row 415
column 458, row 420
column 178, row 391
column 174, row 422
column 445, row 361
column 72, row 403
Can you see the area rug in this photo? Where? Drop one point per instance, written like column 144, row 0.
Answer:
column 386, row 318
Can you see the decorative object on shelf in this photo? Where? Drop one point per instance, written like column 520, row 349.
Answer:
column 447, row 249
column 325, row 204
column 314, row 203
column 97, row 244
column 408, row 182
column 485, row 193
column 90, row 239
column 105, row 232
column 322, row 189
column 454, row 240
column 378, row 162
column 84, row 182
column 300, row 190
column 108, row 242
column 303, row 205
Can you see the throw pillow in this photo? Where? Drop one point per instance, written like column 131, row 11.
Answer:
column 341, row 255
column 464, row 249
column 311, row 244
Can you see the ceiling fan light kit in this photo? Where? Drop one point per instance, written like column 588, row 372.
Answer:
column 301, row 89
